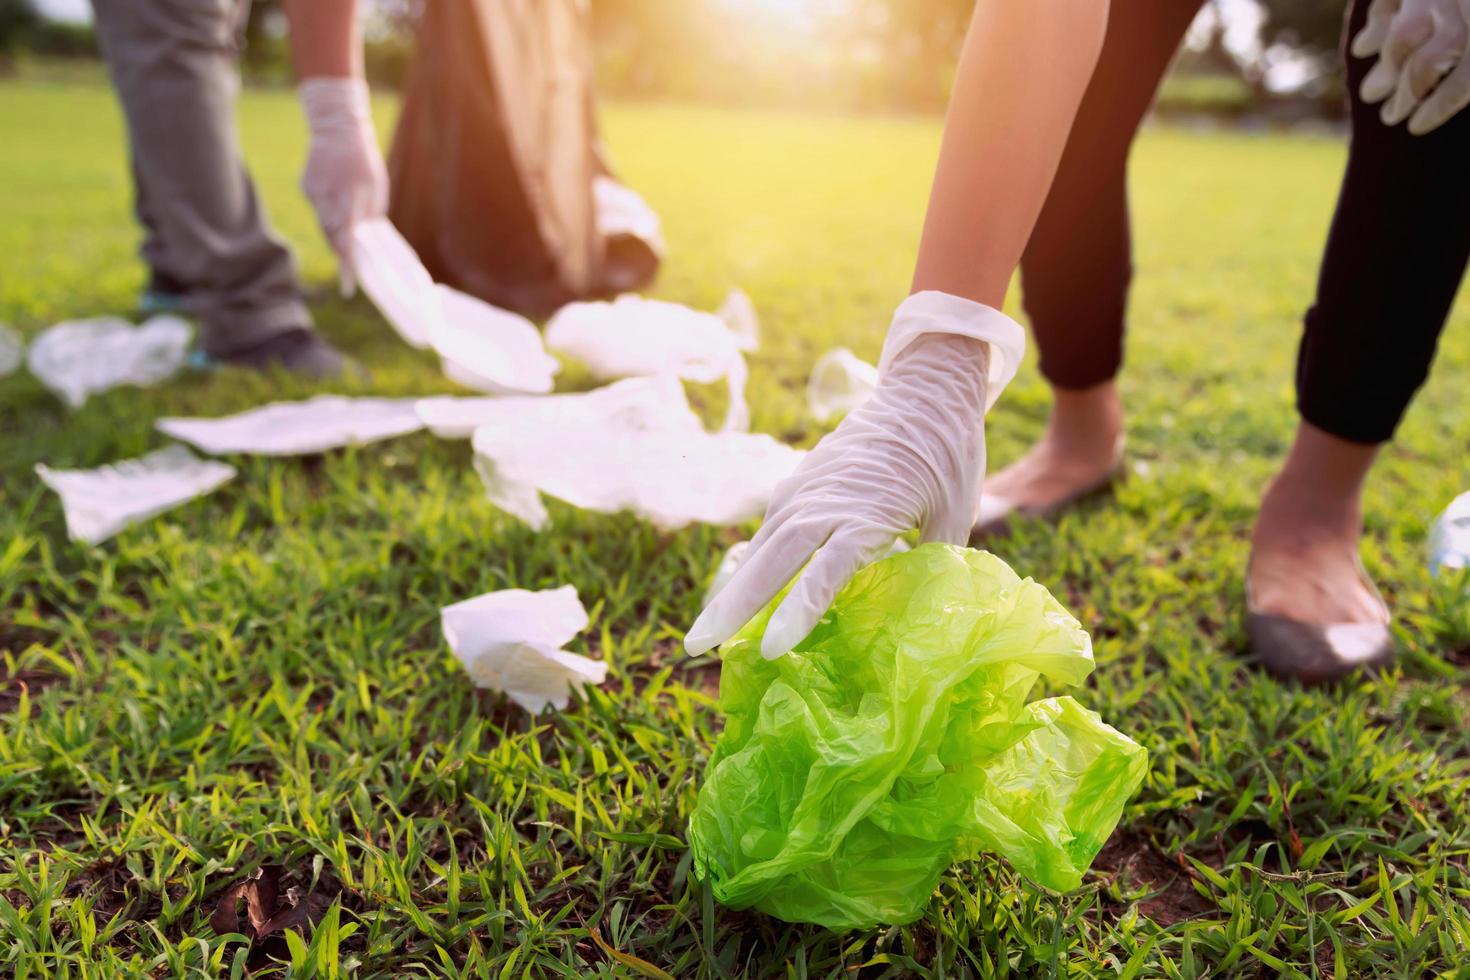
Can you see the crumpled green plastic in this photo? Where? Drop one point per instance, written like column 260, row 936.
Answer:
column 897, row 739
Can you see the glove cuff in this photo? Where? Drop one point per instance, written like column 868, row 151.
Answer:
column 933, row 312
column 335, row 103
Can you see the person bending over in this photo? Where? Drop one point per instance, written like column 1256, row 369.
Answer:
column 913, row 456
column 207, row 244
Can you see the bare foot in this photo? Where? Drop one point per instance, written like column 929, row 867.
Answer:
column 1304, row 551
column 1078, row 450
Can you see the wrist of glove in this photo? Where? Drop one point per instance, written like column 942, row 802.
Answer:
column 911, row 457
column 345, row 177
column 1423, row 69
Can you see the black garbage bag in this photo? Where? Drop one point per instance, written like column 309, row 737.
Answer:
column 497, row 166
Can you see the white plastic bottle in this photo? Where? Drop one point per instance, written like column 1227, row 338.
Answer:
column 1449, row 539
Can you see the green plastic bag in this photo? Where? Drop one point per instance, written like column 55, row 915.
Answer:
column 897, row 739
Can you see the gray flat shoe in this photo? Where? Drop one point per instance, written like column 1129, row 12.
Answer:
column 300, row 351
column 1314, row 653
column 996, row 512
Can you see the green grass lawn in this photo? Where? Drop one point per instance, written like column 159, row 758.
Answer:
column 258, row 678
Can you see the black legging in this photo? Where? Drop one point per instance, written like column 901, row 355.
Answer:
column 1397, row 250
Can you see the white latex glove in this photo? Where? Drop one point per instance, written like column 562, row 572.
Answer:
column 345, row 178
column 1423, row 67
column 912, row 456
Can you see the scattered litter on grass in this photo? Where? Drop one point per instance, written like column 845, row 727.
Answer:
column 840, row 381
column 391, row 274
column 489, row 349
column 480, row 346
column 80, row 358
column 512, row 641
column 12, row 350
column 298, row 428
column 897, row 739
column 99, row 503
column 657, row 462
column 635, row 337
column 635, row 404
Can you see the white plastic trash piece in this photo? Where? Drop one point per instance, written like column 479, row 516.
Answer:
column 512, row 641
column 79, row 358
column 479, row 346
column 489, row 349
column 101, row 502
column 674, row 474
column 633, row 404
column 1449, row 539
column 299, row 428
column 739, row 315
column 12, row 350
column 622, row 211
column 636, row 337
column 840, row 381
column 389, row 271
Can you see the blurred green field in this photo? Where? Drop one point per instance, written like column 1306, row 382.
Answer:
column 258, row 677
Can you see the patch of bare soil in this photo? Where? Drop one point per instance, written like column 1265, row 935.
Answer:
column 1139, row 866
column 276, row 899
column 32, row 682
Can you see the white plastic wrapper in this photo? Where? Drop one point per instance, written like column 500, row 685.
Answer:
column 1449, row 539
column 12, row 351
column 634, row 404
column 840, row 381
column 80, row 358
column 298, row 428
column 489, row 349
column 391, row 274
column 622, row 211
column 635, row 337
column 479, row 346
column 101, row 502
column 673, row 476
column 739, row 315
column 512, row 641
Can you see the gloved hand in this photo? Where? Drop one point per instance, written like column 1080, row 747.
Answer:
column 912, row 456
column 1423, row 67
column 345, row 178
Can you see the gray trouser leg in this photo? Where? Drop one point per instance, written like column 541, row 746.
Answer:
column 173, row 64
column 162, row 270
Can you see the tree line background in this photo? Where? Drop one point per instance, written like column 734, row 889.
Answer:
column 858, row 55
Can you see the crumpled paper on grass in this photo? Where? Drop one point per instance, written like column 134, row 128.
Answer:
column 840, row 381
column 298, row 428
column 636, row 337
column 80, row 358
column 634, row 403
column 479, row 346
column 897, row 739
column 660, row 464
column 389, row 271
column 489, row 349
column 99, row 503
column 12, row 351
column 512, row 641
